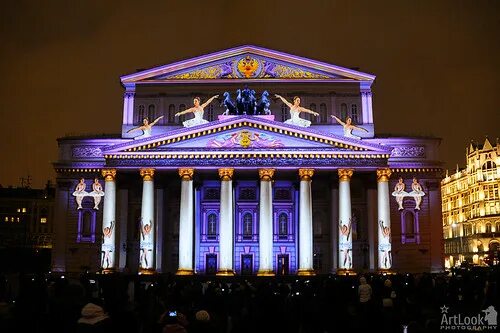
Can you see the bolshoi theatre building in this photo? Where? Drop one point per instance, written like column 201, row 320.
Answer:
column 248, row 161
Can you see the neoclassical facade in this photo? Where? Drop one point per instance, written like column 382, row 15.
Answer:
column 471, row 208
column 231, row 174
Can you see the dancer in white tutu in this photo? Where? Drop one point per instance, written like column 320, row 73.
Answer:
column 400, row 193
column 97, row 193
column 198, row 111
column 295, row 110
column 80, row 192
column 146, row 128
column 417, row 193
column 348, row 127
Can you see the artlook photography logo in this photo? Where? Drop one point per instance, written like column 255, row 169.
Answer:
column 485, row 320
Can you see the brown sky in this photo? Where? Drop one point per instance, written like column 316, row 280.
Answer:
column 437, row 62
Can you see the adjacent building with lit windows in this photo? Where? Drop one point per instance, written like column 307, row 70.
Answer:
column 26, row 227
column 471, row 208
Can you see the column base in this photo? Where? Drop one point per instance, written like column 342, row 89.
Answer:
column 149, row 271
column 265, row 272
column 306, row 272
column 386, row 271
column 343, row 271
column 184, row 272
column 225, row 272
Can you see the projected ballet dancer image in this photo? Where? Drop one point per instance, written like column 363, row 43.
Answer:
column 345, row 229
column 417, row 193
column 347, row 258
column 97, row 193
column 80, row 192
column 400, row 193
column 385, row 231
column 145, row 249
column 107, row 232
column 349, row 127
column 146, row 128
column 198, row 110
column 295, row 110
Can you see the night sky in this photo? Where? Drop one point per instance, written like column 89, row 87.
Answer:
column 437, row 63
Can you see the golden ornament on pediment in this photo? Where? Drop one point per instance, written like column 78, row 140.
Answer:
column 248, row 66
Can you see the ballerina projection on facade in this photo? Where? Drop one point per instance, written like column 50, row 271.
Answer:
column 295, row 110
column 80, row 193
column 146, row 245
column 146, row 128
column 400, row 193
column 417, row 193
column 107, row 249
column 385, row 245
column 345, row 233
column 97, row 193
column 349, row 127
column 198, row 110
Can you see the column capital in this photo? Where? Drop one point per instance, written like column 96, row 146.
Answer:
column 306, row 174
column 108, row 174
column 266, row 174
column 226, row 173
column 383, row 175
column 186, row 173
column 345, row 174
column 147, row 173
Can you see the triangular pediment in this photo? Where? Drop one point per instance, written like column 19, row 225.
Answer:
column 247, row 133
column 246, row 63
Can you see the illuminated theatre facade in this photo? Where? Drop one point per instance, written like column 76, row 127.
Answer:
column 248, row 186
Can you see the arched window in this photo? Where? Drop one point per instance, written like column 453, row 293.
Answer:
column 151, row 112
column 489, row 165
column 354, row 113
column 488, row 228
column 210, row 113
column 283, row 224
column 87, row 225
column 141, row 114
column 171, row 114
column 284, row 112
column 497, row 227
column 343, row 111
column 410, row 227
column 212, row 225
column 181, row 119
column 247, row 225
column 312, row 117
column 323, row 113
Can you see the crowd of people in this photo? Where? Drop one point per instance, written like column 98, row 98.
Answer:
column 167, row 303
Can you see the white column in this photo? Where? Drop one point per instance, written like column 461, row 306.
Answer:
column 345, row 220
column 147, row 235
column 384, row 220
column 305, row 224
column 128, row 106
column 186, row 223
column 226, row 223
column 266, row 223
column 369, row 106
column 108, row 248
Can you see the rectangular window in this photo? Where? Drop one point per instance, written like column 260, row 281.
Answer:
column 43, row 220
